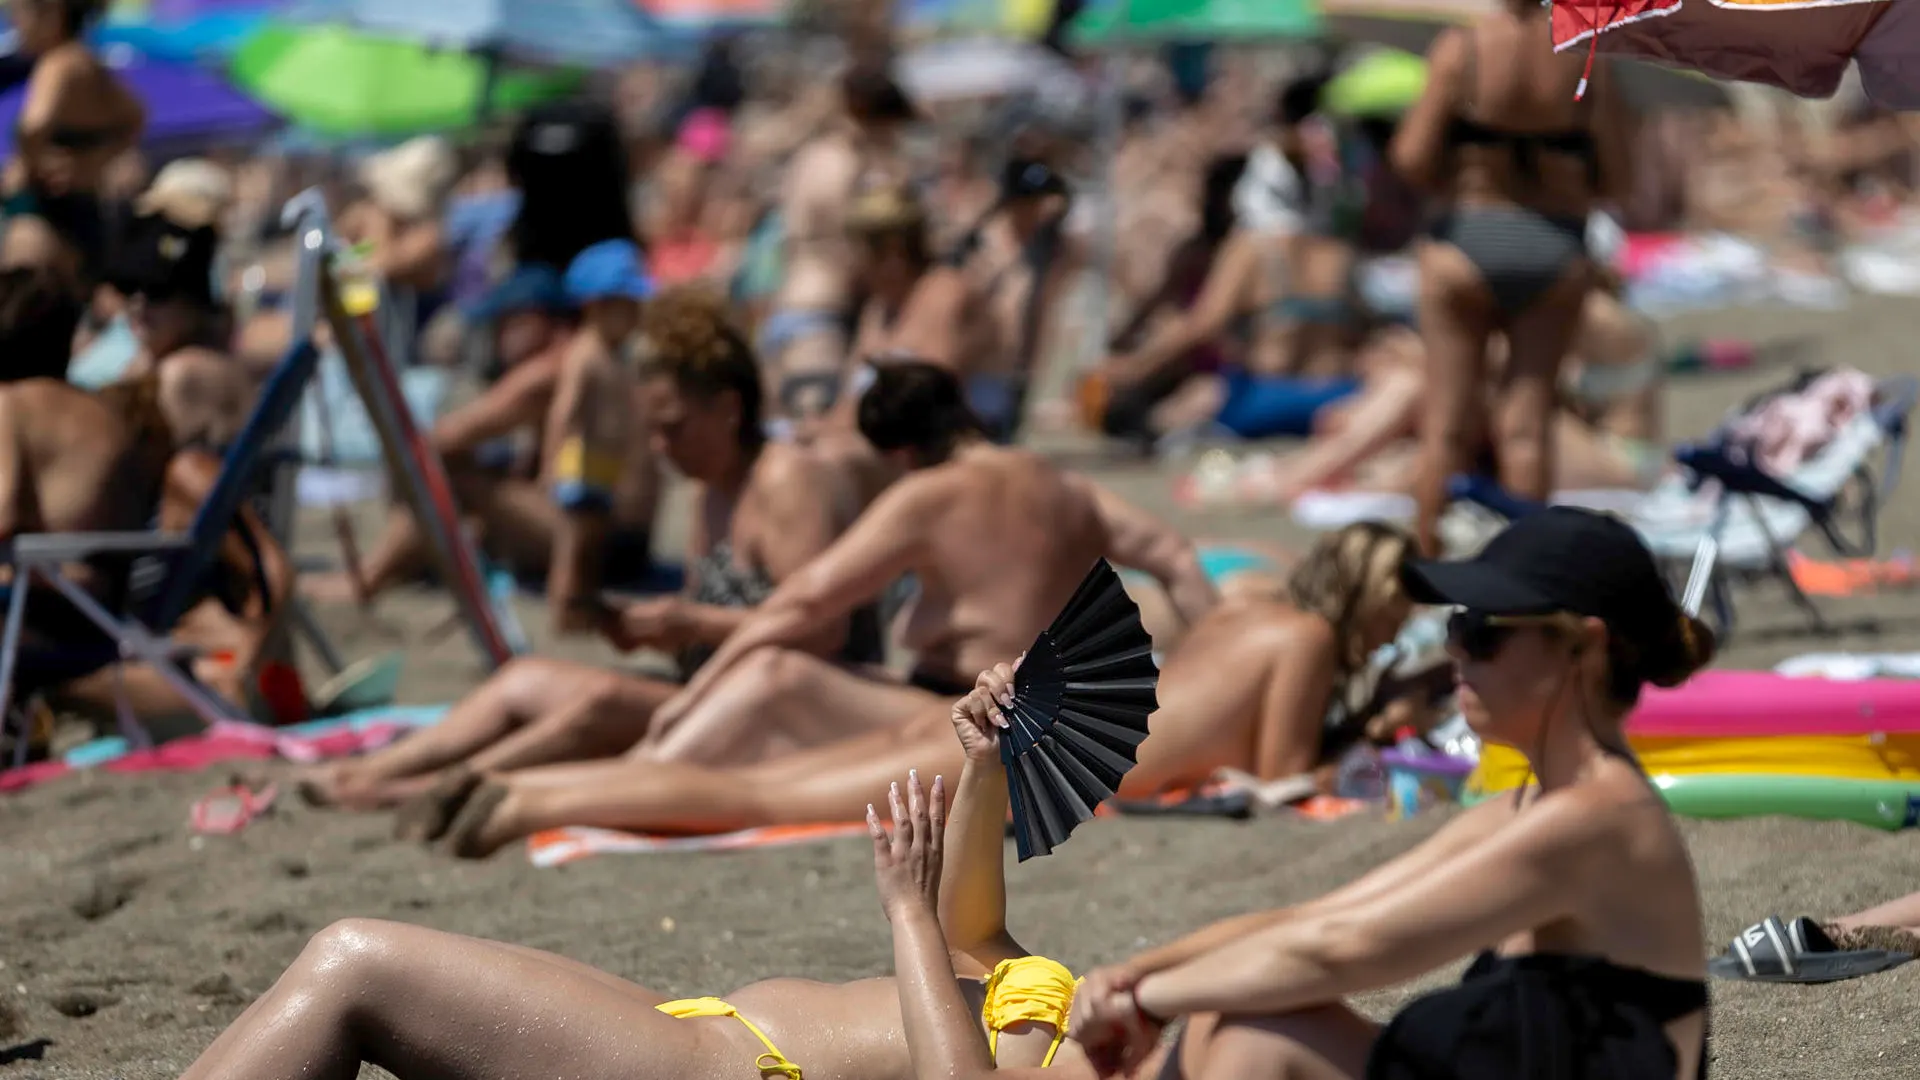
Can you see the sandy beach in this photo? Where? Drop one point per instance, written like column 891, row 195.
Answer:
column 127, row 943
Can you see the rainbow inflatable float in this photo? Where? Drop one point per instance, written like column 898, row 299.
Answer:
column 1748, row 743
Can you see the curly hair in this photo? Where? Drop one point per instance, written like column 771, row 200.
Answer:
column 687, row 337
column 1346, row 575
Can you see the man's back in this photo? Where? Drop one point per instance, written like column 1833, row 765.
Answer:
column 1009, row 539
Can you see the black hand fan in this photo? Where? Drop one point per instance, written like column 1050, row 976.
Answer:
column 1080, row 705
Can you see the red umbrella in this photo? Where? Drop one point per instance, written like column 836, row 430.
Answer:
column 1801, row 45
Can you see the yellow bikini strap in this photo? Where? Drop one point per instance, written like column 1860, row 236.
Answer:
column 1028, row 989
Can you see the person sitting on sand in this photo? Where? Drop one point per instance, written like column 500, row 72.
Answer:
column 966, row 998
column 104, row 462
column 532, row 324
column 164, row 271
column 997, row 539
column 1809, row 951
column 1577, row 896
column 588, row 519
column 764, row 510
column 1256, row 686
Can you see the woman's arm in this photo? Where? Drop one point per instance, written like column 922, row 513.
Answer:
column 520, row 397
column 883, row 543
column 942, row 1030
column 1401, row 876
column 1223, row 297
column 585, row 499
column 1140, row 541
column 1419, row 146
column 973, row 886
column 1524, row 876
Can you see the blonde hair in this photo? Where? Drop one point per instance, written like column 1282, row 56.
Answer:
column 1346, row 575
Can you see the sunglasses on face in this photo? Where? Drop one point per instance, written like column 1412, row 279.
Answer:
column 1480, row 635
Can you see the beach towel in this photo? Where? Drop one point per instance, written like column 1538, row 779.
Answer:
column 557, row 847
column 318, row 740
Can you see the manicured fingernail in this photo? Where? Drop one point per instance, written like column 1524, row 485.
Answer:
column 913, row 774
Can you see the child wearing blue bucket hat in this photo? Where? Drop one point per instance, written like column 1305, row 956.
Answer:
column 592, row 423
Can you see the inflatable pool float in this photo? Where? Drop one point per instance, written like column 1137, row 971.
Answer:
column 1747, row 744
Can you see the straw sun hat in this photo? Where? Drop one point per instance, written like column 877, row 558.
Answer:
column 411, row 180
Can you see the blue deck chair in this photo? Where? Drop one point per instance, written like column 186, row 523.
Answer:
column 1748, row 528
column 167, row 569
column 163, row 582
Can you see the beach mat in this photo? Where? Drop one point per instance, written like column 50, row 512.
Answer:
column 558, row 847
column 316, row 740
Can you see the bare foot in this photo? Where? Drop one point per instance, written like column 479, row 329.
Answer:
column 480, row 828
column 337, row 587
column 426, row 817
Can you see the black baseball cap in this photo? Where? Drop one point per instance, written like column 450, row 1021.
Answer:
column 1556, row 560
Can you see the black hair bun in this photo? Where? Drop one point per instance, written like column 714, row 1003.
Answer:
column 1679, row 654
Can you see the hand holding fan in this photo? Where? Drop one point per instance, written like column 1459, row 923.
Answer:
column 1080, row 705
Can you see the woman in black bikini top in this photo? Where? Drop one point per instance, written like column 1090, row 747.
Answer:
column 77, row 118
column 1578, row 899
column 1517, row 149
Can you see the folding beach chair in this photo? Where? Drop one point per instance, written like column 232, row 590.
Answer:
column 1753, row 518
column 167, row 568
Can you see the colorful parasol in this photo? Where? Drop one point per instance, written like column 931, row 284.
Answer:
column 1801, row 45
column 1412, row 26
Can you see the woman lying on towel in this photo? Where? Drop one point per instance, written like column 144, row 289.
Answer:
column 764, row 510
column 419, row 1002
column 1577, row 899
column 1257, row 685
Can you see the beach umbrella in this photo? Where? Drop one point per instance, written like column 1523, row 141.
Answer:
column 586, row 33
column 1080, row 705
column 180, row 31
column 1140, row 22
column 334, row 81
column 183, row 103
column 1802, row 46
column 1382, row 83
column 1412, row 25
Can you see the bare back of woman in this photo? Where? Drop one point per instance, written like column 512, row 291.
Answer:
column 1520, row 148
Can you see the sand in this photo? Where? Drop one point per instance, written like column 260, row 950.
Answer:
column 126, row 943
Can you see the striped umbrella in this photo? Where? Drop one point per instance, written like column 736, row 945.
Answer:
column 1411, row 25
column 1800, row 45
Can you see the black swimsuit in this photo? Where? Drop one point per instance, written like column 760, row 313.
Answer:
column 1545, row 1016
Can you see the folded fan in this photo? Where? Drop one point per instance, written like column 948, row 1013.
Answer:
column 1080, row 705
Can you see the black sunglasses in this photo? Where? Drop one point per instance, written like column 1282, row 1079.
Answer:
column 1479, row 635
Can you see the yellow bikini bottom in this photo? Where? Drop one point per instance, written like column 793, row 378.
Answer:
column 771, row 1063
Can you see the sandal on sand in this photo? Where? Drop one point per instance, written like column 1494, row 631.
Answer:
column 1800, row 952
column 230, row 809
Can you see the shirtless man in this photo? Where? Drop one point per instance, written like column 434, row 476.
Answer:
column 804, row 340
column 997, row 538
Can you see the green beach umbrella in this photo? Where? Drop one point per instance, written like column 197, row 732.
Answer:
column 335, row 81
column 1134, row 22
column 1384, row 83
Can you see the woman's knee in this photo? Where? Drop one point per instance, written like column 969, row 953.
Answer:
column 350, row 952
column 534, row 676
column 776, row 673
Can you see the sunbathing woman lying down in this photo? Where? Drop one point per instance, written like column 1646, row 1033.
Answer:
column 1258, row 686
column 423, row 1003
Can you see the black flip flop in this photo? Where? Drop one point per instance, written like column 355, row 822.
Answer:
column 1797, row 952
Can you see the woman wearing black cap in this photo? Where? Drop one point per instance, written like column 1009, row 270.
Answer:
column 1578, row 900
column 164, row 271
